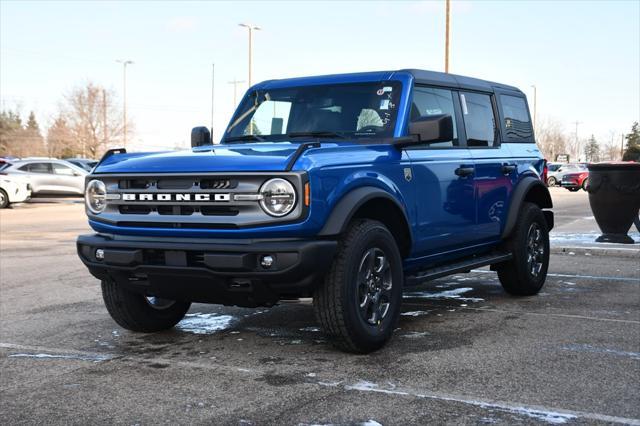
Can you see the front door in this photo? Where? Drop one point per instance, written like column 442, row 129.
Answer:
column 443, row 174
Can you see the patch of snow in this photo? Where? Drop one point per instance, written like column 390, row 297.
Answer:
column 414, row 313
column 311, row 329
column 199, row 323
column 607, row 351
column 371, row 423
column 447, row 294
column 78, row 357
column 414, row 334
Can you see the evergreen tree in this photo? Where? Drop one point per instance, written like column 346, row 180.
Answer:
column 592, row 150
column 10, row 132
column 632, row 153
column 32, row 124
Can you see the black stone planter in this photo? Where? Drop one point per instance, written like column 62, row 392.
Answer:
column 614, row 196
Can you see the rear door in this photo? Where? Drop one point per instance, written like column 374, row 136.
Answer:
column 40, row 175
column 493, row 168
column 443, row 176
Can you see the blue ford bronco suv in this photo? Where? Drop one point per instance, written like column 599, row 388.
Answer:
column 344, row 188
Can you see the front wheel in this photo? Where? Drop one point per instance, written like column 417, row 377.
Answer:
column 585, row 184
column 552, row 181
column 359, row 302
column 526, row 272
column 137, row 312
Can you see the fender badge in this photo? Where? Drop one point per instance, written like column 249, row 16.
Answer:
column 407, row 174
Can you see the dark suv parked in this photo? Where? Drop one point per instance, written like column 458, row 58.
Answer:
column 346, row 188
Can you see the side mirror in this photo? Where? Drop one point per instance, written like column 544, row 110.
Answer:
column 432, row 128
column 200, row 136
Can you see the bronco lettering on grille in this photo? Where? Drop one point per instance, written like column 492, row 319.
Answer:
column 176, row 197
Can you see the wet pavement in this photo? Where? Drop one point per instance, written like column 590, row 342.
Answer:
column 464, row 351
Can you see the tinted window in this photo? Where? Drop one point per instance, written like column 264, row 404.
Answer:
column 39, row 168
column 61, row 169
column 516, row 124
column 478, row 119
column 429, row 101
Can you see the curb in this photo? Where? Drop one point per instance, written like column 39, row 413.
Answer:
column 629, row 253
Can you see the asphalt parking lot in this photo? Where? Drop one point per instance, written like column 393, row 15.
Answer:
column 464, row 351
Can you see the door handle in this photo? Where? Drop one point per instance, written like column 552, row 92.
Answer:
column 463, row 171
column 508, row 168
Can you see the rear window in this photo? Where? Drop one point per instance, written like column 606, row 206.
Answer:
column 516, row 123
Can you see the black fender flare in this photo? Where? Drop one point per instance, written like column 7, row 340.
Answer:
column 349, row 204
column 524, row 188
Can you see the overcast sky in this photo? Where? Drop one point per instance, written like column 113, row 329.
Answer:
column 584, row 56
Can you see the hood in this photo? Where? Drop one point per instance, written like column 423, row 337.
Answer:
column 251, row 157
column 232, row 158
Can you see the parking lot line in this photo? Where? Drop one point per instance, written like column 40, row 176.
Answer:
column 547, row 414
column 586, row 277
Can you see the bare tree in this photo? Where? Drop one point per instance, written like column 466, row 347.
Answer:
column 95, row 119
column 551, row 138
column 60, row 140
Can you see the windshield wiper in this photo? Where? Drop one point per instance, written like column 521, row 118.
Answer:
column 244, row 138
column 317, row 134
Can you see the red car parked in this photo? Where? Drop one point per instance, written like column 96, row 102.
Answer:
column 576, row 180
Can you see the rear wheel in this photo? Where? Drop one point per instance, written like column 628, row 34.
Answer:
column 585, row 184
column 359, row 302
column 137, row 312
column 526, row 272
column 4, row 199
column 552, row 181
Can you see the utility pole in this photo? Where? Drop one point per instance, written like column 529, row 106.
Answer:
column 251, row 28
column 235, row 89
column 213, row 81
column 535, row 106
column 104, row 115
column 124, row 91
column 621, row 146
column 446, row 37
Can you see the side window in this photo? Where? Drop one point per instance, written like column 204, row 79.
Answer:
column 40, row 168
column 479, row 121
column 431, row 101
column 516, row 123
column 61, row 169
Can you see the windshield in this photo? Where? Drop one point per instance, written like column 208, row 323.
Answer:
column 362, row 110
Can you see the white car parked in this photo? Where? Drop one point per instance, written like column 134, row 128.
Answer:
column 13, row 189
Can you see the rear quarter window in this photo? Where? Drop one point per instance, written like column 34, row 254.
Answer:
column 516, row 122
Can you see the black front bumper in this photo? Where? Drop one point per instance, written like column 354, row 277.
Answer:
column 210, row 272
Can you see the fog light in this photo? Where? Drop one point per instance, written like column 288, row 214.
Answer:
column 266, row 261
column 100, row 254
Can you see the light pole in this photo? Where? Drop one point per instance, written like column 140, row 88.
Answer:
column 577, row 143
column 124, row 93
column 251, row 28
column 235, row 89
column 535, row 106
column 446, row 37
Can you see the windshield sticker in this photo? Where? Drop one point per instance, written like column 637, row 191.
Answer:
column 384, row 103
column 384, row 90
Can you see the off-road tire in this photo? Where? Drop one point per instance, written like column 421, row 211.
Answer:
column 552, row 181
column 132, row 311
column 4, row 199
column 336, row 302
column 515, row 275
column 585, row 185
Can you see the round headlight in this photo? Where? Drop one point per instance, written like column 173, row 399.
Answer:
column 95, row 196
column 278, row 197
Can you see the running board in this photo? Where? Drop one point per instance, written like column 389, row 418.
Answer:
column 460, row 266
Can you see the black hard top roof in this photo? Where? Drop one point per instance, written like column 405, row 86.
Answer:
column 460, row 81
